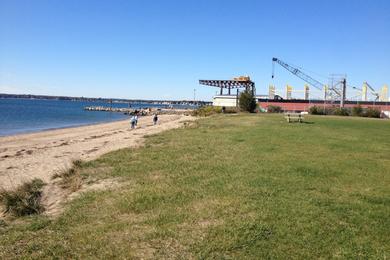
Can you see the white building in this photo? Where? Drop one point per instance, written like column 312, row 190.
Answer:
column 229, row 100
column 225, row 101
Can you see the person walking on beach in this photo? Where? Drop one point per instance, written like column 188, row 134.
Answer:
column 132, row 122
column 155, row 119
column 136, row 119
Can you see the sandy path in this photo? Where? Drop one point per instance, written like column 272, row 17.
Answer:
column 40, row 155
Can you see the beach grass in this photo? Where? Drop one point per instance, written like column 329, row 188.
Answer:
column 71, row 178
column 229, row 186
column 24, row 200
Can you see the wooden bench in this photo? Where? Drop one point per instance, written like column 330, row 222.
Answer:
column 291, row 117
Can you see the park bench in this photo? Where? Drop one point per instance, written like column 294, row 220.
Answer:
column 291, row 117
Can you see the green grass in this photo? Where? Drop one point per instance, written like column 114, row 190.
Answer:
column 241, row 186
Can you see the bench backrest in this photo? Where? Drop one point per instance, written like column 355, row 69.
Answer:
column 293, row 114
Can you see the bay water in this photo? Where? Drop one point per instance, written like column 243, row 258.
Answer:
column 31, row 115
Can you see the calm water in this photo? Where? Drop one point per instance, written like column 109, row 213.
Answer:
column 29, row 115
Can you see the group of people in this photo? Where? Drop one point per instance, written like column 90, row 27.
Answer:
column 134, row 120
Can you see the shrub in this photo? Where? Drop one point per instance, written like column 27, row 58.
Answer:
column 230, row 110
column 372, row 112
column 341, row 111
column 247, row 102
column 317, row 110
column 314, row 110
column 25, row 200
column 357, row 111
column 207, row 111
column 330, row 110
column 274, row 109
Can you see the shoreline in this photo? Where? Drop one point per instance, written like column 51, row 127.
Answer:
column 160, row 111
column 44, row 153
column 63, row 127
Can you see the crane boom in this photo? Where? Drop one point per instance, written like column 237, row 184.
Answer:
column 313, row 82
column 372, row 90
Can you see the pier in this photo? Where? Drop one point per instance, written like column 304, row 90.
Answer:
column 142, row 111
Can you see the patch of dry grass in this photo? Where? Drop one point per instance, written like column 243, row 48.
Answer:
column 24, row 200
column 71, row 178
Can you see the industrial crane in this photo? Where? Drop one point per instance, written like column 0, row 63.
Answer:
column 376, row 94
column 297, row 72
column 372, row 90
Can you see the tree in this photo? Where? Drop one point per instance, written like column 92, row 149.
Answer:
column 247, row 102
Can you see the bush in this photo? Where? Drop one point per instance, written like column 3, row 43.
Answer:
column 341, row 111
column 357, row 111
column 207, row 111
column 314, row 110
column 247, row 102
column 372, row 112
column 274, row 109
column 25, row 200
column 230, row 110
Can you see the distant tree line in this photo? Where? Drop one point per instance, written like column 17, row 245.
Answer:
column 107, row 100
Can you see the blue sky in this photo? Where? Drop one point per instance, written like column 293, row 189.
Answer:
column 159, row 49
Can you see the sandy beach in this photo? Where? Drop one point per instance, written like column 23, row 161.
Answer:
column 42, row 154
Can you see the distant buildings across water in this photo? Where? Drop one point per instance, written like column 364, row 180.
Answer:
column 109, row 100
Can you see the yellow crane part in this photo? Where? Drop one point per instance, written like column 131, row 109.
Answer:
column 384, row 94
column 242, row 78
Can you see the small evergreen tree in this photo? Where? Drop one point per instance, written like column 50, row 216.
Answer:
column 247, row 102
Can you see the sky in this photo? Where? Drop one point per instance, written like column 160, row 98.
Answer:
column 160, row 49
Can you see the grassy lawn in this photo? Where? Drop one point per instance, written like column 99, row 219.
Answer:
column 234, row 186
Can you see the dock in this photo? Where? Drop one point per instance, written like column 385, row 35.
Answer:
column 142, row 111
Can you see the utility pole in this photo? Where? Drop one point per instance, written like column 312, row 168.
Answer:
column 194, row 95
column 237, row 97
column 343, row 94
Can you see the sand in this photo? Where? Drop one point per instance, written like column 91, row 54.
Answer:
column 40, row 155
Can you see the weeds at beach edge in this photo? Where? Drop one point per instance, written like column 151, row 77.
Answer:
column 190, row 124
column 71, row 178
column 24, row 200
